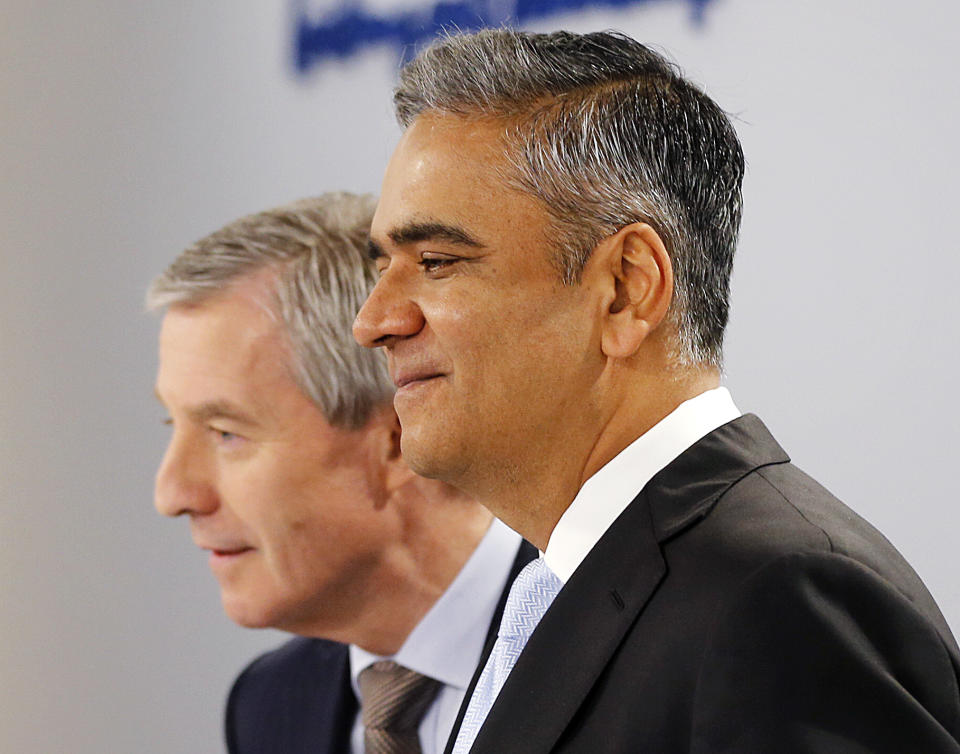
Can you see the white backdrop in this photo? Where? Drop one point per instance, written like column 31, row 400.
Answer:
column 128, row 130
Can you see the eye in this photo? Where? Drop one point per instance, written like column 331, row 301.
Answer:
column 224, row 436
column 433, row 262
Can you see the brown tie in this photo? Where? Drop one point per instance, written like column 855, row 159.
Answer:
column 393, row 699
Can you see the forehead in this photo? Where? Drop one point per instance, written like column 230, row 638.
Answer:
column 229, row 346
column 453, row 170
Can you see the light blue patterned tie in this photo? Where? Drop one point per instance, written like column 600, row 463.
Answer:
column 531, row 594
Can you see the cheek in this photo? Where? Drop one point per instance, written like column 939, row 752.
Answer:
column 311, row 531
column 274, row 509
column 297, row 551
column 537, row 362
column 329, row 558
column 297, row 524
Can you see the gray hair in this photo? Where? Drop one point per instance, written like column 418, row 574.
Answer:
column 605, row 132
column 317, row 249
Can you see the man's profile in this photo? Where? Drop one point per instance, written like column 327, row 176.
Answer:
column 554, row 242
column 284, row 455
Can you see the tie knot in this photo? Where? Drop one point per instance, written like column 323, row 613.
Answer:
column 393, row 697
column 532, row 592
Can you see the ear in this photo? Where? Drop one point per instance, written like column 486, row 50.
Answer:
column 641, row 274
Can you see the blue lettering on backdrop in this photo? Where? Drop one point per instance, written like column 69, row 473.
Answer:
column 350, row 28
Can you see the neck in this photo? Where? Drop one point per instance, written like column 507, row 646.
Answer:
column 553, row 479
column 439, row 533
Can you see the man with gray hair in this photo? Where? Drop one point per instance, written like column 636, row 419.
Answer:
column 285, row 457
column 554, row 241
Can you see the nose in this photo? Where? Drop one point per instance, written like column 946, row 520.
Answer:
column 183, row 484
column 386, row 315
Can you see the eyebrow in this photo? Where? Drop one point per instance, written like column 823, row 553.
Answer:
column 416, row 232
column 219, row 410
column 215, row 410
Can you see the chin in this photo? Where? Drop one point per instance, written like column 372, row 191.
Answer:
column 247, row 614
column 421, row 457
column 433, row 458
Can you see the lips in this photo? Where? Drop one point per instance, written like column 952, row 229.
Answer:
column 222, row 561
column 402, row 379
column 223, row 548
column 225, row 552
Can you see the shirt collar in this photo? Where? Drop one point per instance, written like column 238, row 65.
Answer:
column 447, row 642
column 604, row 496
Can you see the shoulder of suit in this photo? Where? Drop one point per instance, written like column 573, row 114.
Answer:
column 297, row 657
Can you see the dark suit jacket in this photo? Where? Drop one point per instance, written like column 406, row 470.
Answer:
column 298, row 699
column 735, row 607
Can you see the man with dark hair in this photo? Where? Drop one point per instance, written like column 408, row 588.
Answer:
column 554, row 242
column 285, row 456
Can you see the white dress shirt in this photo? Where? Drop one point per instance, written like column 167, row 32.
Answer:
column 607, row 493
column 447, row 642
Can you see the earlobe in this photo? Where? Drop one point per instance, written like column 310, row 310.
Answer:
column 642, row 275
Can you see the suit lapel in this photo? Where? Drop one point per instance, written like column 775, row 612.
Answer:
column 572, row 644
column 325, row 723
column 596, row 608
column 343, row 712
